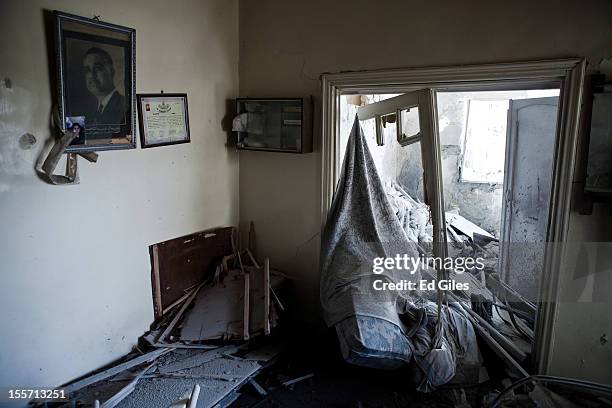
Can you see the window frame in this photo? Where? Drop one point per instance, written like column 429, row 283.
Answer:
column 567, row 74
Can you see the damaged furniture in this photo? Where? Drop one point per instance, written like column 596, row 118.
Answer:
column 215, row 307
column 205, row 290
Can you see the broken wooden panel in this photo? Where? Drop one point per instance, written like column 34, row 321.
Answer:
column 176, row 374
column 218, row 311
column 181, row 263
column 145, row 358
column 260, row 302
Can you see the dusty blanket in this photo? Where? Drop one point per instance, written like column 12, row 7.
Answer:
column 361, row 226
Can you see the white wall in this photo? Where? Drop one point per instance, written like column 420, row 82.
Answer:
column 284, row 49
column 75, row 288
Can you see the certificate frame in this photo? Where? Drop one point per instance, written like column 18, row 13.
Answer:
column 147, row 139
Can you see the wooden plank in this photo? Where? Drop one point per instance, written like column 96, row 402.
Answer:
column 246, row 300
column 120, row 396
column 263, row 354
column 260, row 390
column 218, row 311
column 217, row 378
column 228, row 400
column 76, row 385
column 267, row 296
column 197, row 359
column 173, row 305
column 157, row 301
column 193, row 398
column 125, row 391
column 186, row 346
column 276, row 299
column 184, row 262
column 252, row 238
column 236, row 250
column 199, row 376
column 225, row 260
column 253, row 372
column 257, row 300
column 179, row 314
column 189, row 402
column 252, row 258
column 296, row 380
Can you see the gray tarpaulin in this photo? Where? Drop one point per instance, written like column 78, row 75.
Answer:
column 362, row 225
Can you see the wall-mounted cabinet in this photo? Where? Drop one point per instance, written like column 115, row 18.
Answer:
column 274, row 124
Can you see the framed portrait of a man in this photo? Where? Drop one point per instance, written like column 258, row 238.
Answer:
column 96, row 83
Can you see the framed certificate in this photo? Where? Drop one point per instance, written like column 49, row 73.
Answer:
column 164, row 119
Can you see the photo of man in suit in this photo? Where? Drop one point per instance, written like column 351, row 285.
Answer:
column 99, row 74
column 96, row 75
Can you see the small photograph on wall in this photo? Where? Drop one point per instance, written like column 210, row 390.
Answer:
column 76, row 125
column 96, row 81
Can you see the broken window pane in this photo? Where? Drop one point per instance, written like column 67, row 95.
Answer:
column 409, row 125
column 410, row 175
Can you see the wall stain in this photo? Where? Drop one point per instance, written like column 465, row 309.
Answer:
column 27, row 141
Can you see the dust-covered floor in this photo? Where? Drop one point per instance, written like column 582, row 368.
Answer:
column 337, row 384
column 302, row 366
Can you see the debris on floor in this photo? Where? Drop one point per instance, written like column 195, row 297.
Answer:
column 216, row 310
column 172, row 376
column 307, row 372
column 207, row 290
